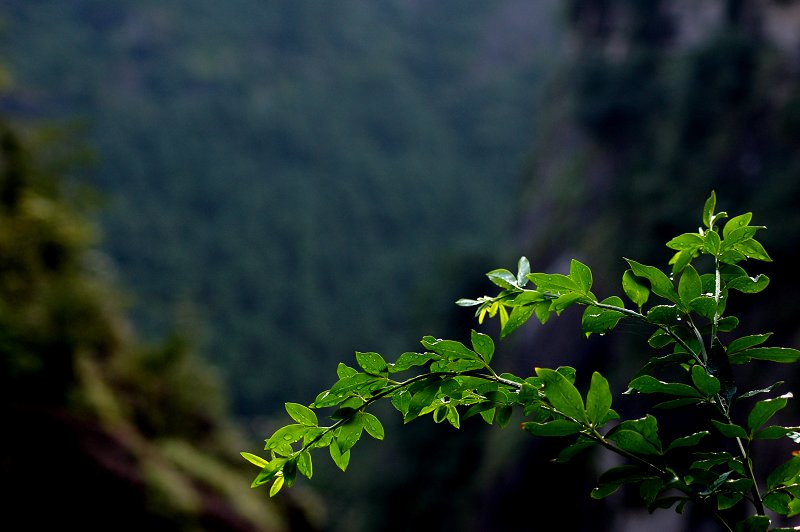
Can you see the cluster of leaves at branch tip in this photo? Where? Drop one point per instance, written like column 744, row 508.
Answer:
column 692, row 336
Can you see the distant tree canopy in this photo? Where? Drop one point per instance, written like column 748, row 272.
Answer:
column 136, row 435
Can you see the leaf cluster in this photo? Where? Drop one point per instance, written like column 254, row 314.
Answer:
column 685, row 307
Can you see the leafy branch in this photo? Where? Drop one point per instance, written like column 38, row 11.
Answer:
column 452, row 382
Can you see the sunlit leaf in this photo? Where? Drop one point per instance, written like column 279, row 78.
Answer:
column 762, row 411
column 562, row 394
column 659, row 282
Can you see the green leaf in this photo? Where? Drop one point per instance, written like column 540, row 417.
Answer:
column 681, row 259
column 774, row 432
column 581, row 274
column 302, row 414
column 360, row 382
column 778, row 502
column 743, row 220
column 708, row 209
column 542, row 311
column 686, row 241
column 558, row 427
column 569, row 452
column 615, row 477
column 523, row 269
column 343, row 371
column 503, row 279
column 449, row 349
column 659, row 282
column 712, row 243
column 746, row 342
column 519, row 315
column 276, row 485
column 784, row 474
column 637, row 436
column 349, row 433
column 304, row 464
column 254, row 459
column 753, row 249
column 687, row 441
column 564, row 301
column 286, row 435
column 422, row 397
column 341, row 459
column 660, row 338
column 728, row 323
column 527, row 297
column 453, row 417
column 749, row 285
column 601, row 320
column 373, row 426
column 756, row 523
column 504, row 415
column 730, row 430
column 562, row 394
column 707, row 384
column 637, row 292
column 763, row 410
column 409, row 359
column 705, row 306
column 372, row 363
column 689, row 286
column 598, row 399
column 554, row 282
column 649, row 384
column 269, row 472
column 785, row 355
column 483, row 344
column 663, row 314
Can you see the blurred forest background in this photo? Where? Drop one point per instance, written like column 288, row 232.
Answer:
column 204, row 206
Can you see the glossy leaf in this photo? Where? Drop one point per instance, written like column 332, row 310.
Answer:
column 553, row 282
column 523, row 269
column 598, row 399
column 689, row 286
column 649, row 384
column 558, row 427
column 302, row 414
column 687, row 441
column 341, row 459
column 581, row 274
column 742, row 220
column 764, row 410
column 601, row 320
column 659, row 282
column 785, row 355
column 562, row 394
column 707, row 384
column 519, row 315
column 708, row 209
column 371, row 363
column 686, row 241
column 373, row 426
column 746, row 342
column 503, row 278
column 730, row 430
column 483, row 345
column 756, row 523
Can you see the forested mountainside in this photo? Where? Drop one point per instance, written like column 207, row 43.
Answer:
column 281, row 176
